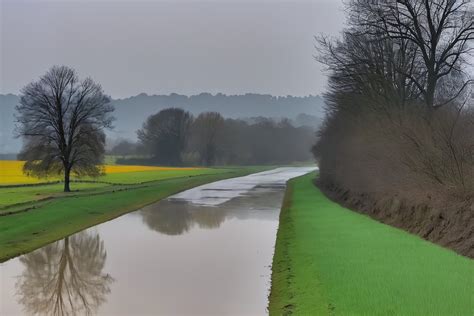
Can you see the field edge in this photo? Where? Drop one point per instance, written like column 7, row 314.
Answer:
column 282, row 296
column 20, row 244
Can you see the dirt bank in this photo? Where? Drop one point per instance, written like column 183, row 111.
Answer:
column 450, row 225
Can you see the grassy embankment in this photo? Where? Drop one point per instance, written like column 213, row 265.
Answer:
column 332, row 261
column 36, row 215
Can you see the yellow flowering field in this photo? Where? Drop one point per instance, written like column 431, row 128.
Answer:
column 11, row 172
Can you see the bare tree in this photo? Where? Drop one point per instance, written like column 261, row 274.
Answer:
column 206, row 130
column 61, row 119
column 368, row 67
column 440, row 30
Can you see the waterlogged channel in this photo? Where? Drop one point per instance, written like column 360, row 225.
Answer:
column 205, row 251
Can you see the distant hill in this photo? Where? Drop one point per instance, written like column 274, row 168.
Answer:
column 131, row 112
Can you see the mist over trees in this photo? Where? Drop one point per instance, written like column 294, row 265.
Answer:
column 61, row 120
column 164, row 135
column 206, row 137
column 175, row 137
column 399, row 105
column 130, row 113
column 124, row 147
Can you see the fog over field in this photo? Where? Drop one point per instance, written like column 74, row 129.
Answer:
column 131, row 112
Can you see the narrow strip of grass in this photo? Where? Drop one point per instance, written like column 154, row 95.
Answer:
column 332, row 261
column 26, row 231
column 11, row 196
column 137, row 177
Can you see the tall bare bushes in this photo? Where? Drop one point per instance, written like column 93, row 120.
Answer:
column 399, row 114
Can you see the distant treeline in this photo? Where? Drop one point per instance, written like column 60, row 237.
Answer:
column 130, row 113
column 175, row 137
column 8, row 156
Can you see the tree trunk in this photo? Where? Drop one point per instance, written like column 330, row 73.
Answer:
column 67, row 173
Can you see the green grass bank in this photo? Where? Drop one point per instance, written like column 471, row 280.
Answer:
column 23, row 196
column 332, row 261
column 61, row 216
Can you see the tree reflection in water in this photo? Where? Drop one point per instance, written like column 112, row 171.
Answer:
column 210, row 217
column 172, row 217
column 167, row 220
column 176, row 218
column 65, row 278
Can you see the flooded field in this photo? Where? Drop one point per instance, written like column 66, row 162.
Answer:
column 205, row 251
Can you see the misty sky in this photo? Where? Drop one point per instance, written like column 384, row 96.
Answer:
column 159, row 47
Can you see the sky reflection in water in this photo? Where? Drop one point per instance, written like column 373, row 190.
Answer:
column 175, row 257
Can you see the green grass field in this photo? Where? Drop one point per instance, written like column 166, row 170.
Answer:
column 147, row 176
column 332, row 261
column 15, row 195
column 39, row 223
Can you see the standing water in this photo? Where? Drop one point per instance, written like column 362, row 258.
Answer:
column 205, row 251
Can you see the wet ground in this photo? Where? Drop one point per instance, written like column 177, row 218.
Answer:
column 205, row 251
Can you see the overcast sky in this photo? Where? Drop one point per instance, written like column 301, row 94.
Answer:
column 159, row 47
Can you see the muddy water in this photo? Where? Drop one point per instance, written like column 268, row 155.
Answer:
column 206, row 251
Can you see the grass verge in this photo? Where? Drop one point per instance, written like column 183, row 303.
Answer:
column 25, row 231
column 16, row 195
column 332, row 261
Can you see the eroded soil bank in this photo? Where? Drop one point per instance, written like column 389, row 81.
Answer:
column 450, row 225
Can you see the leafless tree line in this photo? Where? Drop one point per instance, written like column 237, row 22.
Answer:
column 175, row 137
column 399, row 105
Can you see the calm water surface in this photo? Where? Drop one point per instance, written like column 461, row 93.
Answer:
column 206, row 251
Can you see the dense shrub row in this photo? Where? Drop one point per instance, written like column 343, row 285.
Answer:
column 400, row 122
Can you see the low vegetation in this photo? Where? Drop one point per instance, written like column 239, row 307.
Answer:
column 13, row 196
column 33, row 216
column 19, row 192
column 332, row 261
